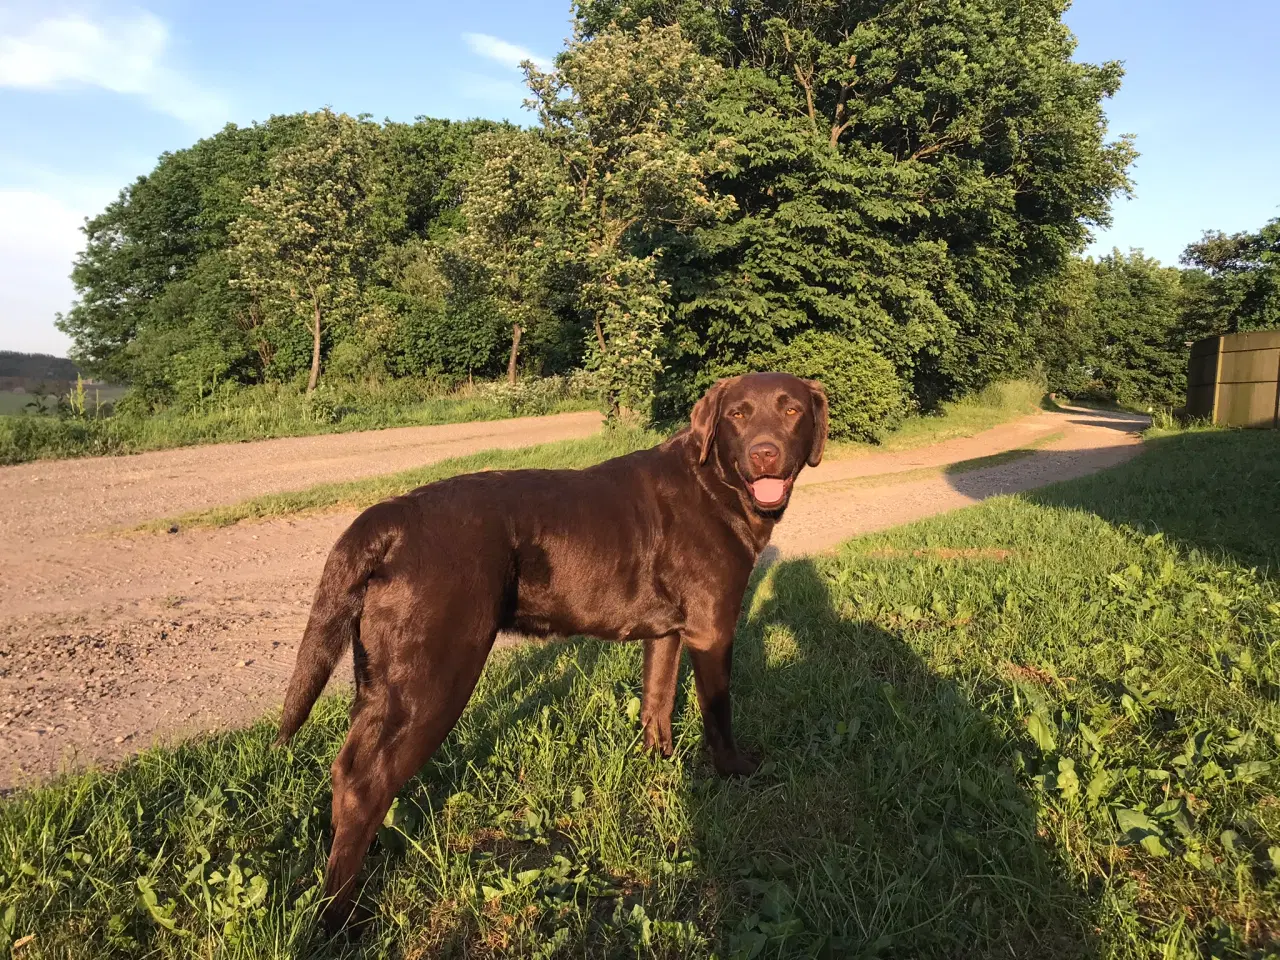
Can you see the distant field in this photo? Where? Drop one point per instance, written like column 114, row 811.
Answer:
column 13, row 403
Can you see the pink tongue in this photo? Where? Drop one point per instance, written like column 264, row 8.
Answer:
column 769, row 489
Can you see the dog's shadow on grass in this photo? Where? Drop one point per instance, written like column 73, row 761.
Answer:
column 888, row 819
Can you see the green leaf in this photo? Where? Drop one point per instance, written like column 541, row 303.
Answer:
column 1068, row 782
column 1140, row 829
column 162, row 914
column 1175, row 812
column 1099, row 786
column 633, row 709
column 1229, row 839
column 1250, row 771
column 1041, row 730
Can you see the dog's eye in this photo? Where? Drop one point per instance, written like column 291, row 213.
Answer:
column 736, row 414
column 793, row 411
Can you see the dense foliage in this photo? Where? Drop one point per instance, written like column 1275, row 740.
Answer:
column 1113, row 329
column 1242, row 291
column 706, row 183
column 865, row 396
column 1118, row 328
column 902, row 174
column 158, row 304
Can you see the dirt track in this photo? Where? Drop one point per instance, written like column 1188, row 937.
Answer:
column 108, row 644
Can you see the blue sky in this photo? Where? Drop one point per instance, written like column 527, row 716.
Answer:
column 92, row 92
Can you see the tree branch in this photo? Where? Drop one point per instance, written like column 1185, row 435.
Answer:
column 839, row 125
column 806, row 81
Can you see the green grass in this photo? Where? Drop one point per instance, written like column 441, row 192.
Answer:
column 966, row 417
column 1215, row 491
column 1027, row 729
column 996, row 404
column 562, row 454
column 267, row 411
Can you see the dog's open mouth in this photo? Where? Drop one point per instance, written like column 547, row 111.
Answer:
column 770, row 491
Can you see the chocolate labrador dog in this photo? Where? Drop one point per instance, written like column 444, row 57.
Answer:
column 655, row 546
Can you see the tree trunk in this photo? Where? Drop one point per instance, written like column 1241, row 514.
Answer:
column 315, row 350
column 516, row 330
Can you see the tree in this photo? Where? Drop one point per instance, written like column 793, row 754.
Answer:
column 1243, row 291
column 624, row 115
column 155, row 307
column 304, row 246
column 1116, row 328
column 504, row 209
column 154, row 236
column 903, row 173
column 1063, row 330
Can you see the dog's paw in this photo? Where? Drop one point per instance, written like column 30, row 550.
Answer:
column 658, row 738
column 348, row 920
column 740, row 763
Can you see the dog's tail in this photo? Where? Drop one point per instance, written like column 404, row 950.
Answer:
column 334, row 623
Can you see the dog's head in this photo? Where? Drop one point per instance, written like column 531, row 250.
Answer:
column 758, row 431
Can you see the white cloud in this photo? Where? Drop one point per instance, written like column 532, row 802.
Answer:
column 500, row 51
column 39, row 239
column 125, row 55
column 476, row 86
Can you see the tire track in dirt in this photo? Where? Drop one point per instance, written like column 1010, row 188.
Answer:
column 108, row 645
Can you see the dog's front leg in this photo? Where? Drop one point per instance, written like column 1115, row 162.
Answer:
column 661, row 668
column 711, row 668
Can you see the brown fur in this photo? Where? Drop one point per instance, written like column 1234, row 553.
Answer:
column 655, row 546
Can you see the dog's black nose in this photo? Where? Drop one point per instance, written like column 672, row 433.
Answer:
column 764, row 457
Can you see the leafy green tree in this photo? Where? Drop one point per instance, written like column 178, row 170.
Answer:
column 152, row 282
column 1062, row 327
column 304, row 246
column 1243, row 292
column 505, row 210
column 154, row 236
column 904, row 174
column 1116, row 328
column 447, row 323
column 1139, row 335
column 625, row 116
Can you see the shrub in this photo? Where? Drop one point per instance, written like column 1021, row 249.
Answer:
column 864, row 391
column 533, row 396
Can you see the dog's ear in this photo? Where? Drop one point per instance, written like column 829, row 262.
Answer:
column 818, row 403
column 705, row 417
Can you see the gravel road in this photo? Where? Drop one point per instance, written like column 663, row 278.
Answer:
column 111, row 643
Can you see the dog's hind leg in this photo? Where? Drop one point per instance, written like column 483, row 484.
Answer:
column 404, row 710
